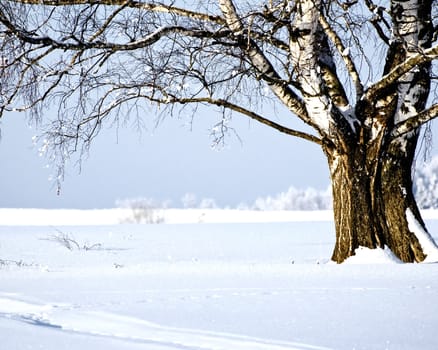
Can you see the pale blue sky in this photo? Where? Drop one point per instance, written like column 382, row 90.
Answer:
column 163, row 163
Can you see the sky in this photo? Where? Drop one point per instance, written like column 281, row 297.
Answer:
column 163, row 163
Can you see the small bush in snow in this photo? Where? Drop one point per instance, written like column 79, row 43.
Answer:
column 70, row 243
column 20, row 263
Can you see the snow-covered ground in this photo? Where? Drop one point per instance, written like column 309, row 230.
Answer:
column 260, row 282
column 62, row 217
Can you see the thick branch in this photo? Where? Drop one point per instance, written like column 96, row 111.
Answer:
column 156, row 7
column 415, row 122
column 263, row 66
column 387, row 80
column 82, row 45
column 336, row 40
column 169, row 99
column 377, row 19
column 248, row 113
column 231, row 18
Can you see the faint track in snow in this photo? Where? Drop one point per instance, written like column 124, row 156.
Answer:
column 95, row 323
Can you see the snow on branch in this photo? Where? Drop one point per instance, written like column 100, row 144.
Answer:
column 398, row 71
column 414, row 122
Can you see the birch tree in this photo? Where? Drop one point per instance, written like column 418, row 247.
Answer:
column 359, row 73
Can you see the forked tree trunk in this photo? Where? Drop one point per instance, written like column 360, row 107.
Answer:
column 373, row 203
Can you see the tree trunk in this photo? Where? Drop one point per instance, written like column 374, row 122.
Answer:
column 373, row 203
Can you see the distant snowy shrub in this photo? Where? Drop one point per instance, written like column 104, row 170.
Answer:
column 208, row 203
column 426, row 184
column 296, row 199
column 143, row 210
column 189, row 200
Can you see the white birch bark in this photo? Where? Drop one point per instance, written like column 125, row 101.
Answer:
column 264, row 66
column 305, row 51
column 407, row 27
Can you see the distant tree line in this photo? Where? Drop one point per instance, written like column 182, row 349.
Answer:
column 426, row 184
column 425, row 190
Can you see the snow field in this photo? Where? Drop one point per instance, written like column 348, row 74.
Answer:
column 208, row 286
column 62, row 217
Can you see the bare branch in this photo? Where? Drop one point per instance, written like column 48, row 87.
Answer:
column 232, row 20
column 415, row 122
column 109, row 20
column 103, row 111
column 410, row 63
column 377, row 19
column 264, row 66
column 81, row 45
column 156, row 7
column 248, row 113
column 351, row 67
column 100, row 56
